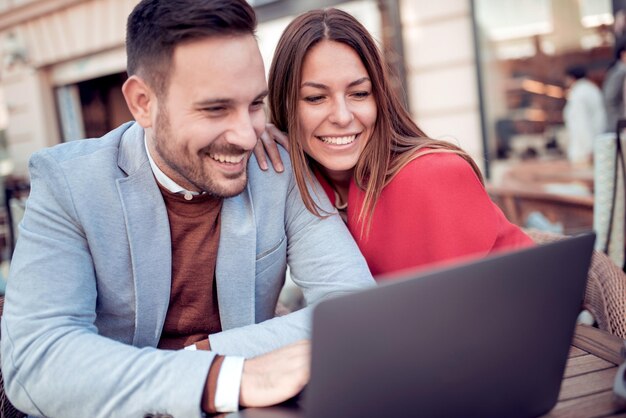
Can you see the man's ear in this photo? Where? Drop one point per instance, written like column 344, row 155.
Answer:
column 141, row 100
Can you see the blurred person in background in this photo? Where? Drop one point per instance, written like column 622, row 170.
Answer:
column 584, row 115
column 408, row 200
column 613, row 88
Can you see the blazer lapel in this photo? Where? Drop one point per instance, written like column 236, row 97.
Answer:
column 236, row 257
column 148, row 232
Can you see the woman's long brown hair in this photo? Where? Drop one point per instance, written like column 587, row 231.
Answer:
column 396, row 139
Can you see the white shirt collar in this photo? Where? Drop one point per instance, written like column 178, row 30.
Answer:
column 163, row 179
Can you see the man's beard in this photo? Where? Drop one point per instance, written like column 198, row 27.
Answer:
column 193, row 168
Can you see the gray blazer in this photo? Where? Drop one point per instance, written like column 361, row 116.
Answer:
column 90, row 281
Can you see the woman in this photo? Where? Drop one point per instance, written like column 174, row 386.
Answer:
column 408, row 200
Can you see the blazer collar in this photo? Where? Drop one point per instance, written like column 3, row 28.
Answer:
column 148, row 234
column 132, row 154
column 236, row 262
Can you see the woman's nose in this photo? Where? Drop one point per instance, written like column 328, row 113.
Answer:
column 341, row 114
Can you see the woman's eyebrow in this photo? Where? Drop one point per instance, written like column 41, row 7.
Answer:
column 359, row 81
column 314, row 85
column 323, row 86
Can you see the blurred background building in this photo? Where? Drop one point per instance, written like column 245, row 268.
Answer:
column 487, row 75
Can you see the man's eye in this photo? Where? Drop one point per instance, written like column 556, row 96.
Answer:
column 257, row 104
column 214, row 109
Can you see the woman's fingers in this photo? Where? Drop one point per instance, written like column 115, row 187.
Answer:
column 267, row 146
column 278, row 135
column 259, row 153
column 271, row 149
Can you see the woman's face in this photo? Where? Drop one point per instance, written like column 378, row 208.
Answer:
column 336, row 108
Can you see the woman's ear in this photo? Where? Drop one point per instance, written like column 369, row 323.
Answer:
column 140, row 99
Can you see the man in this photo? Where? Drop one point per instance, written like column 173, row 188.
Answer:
column 584, row 115
column 613, row 88
column 147, row 240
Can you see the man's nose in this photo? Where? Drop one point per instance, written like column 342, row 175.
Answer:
column 243, row 134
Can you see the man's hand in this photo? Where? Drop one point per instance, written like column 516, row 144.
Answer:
column 276, row 376
column 266, row 146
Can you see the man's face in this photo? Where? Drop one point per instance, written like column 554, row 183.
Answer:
column 209, row 120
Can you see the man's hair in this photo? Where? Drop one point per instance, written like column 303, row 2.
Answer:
column 156, row 27
column 576, row 72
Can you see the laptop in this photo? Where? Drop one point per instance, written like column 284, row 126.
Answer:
column 488, row 338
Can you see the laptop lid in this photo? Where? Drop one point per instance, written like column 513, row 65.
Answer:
column 488, row 338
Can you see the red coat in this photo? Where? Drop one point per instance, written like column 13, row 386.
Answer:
column 434, row 210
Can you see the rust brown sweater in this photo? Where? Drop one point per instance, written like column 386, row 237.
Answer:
column 193, row 309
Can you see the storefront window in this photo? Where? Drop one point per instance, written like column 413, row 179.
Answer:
column 9, row 4
column 525, row 48
column 268, row 33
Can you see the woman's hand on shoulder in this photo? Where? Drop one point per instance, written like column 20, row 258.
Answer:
column 267, row 146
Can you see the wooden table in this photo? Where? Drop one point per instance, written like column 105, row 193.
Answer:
column 587, row 388
column 586, row 391
column 518, row 201
column 529, row 186
column 549, row 171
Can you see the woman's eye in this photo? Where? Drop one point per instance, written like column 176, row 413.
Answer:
column 313, row 99
column 361, row 94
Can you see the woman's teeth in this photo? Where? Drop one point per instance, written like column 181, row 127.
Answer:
column 231, row 159
column 338, row 140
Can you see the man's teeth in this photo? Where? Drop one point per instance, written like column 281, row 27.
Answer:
column 338, row 140
column 231, row 159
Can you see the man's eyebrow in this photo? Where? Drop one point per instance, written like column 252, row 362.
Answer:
column 225, row 101
column 262, row 96
column 213, row 102
column 323, row 86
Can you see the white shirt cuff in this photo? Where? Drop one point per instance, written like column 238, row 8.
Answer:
column 229, row 384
